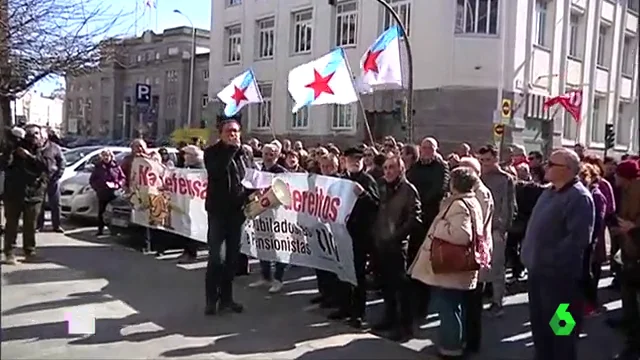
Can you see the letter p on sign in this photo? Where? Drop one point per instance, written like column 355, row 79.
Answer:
column 143, row 93
column 80, row 321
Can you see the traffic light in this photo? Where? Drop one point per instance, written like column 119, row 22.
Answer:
column 609, row 136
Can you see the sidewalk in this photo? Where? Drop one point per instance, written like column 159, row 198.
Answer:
column 150, row 308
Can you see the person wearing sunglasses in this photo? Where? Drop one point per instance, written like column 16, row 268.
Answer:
column 558, row 233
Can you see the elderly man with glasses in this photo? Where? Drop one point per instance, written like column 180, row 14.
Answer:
column 557, row 236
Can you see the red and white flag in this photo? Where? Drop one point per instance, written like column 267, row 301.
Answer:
column 571, row 101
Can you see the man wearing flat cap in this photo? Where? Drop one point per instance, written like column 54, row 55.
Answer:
column 353, row 299
column 226, row 165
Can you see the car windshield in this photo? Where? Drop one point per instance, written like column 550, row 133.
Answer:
column 74, row 155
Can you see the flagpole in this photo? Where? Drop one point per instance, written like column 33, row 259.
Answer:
column 156, row 13
column 353, row 84
column 135, row 22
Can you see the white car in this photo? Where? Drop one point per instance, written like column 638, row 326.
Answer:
column 77, row 159
column 77, row 197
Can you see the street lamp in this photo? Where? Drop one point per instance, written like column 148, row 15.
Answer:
column 407, row 44
column 193, row 65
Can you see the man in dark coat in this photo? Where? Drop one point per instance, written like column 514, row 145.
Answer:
column 56, row 162
column 353, row 299
column 24, row 190
column 430, row 176
column 226, row 164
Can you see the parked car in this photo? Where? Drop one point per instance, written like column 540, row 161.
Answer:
column 78, row 199
column 77, row 159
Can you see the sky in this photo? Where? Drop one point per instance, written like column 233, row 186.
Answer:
column 198, row 11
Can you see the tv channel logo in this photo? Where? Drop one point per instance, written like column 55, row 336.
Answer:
column 562, row 322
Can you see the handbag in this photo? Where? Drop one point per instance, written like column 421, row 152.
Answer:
column 447, row 258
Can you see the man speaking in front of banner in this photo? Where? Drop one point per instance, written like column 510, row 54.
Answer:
column 226, row 165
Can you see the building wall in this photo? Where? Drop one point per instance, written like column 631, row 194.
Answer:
column 458, row 67
column 159, row 60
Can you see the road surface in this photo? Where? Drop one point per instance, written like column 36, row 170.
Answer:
column 148, row 307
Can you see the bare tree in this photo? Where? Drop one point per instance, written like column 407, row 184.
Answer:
column 42, row 38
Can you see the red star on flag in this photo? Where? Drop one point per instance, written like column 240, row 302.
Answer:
column 238, row 95
column 320, row 84
column 371, row 61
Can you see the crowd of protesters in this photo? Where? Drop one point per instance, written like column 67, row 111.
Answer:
column 545, row 220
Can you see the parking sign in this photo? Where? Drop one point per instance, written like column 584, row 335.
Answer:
column 143, row 94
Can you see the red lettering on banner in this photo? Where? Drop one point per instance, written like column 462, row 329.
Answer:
column 315, row 203
column 173, row 183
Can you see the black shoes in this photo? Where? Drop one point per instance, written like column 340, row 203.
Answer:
column 211, row 309
column 232, row 306
column 338, row 315
column 356, row 323
column 215, row 308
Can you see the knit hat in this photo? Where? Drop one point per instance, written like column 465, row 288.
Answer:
column 628, row 169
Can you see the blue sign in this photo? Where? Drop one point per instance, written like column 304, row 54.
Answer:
column 143, row 94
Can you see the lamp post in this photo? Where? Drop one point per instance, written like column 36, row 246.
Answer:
column 193, row 66
column 408, row 109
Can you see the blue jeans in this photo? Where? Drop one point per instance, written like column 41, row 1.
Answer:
column 53, row 198
column 450, row 306
column 265, row 267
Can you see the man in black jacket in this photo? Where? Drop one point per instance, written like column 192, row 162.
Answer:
column 56, row 162
column 24, row 189
column 353, row 299
column 430, row 176
column 226, row 165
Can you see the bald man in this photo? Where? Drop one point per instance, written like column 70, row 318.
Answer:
column 557, row 236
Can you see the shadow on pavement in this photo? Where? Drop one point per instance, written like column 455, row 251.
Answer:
column 374, row 349
column 172, row 297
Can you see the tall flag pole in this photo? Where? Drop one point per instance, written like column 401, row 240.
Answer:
column 156, row 14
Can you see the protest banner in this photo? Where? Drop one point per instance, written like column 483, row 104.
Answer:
column 169, row 199
column 311, row 232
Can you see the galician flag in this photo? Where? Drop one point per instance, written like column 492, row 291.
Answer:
column 326, row 80
column 381, row 63
column 243, row 90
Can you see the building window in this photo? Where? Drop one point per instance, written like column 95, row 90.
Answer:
column 574, row 36
column 234, row 44
column 233, row 2
column 623, row 126
column 157, row 56
column 205, row 74
column 300, row 119
column 264, row 108
column 628, row 55
column 169, row 126
column 147, row 56
column 477, row 17
column 302, row 31
column 598, row 120
column 204, row 101
column 633, row 5
column 343, row 117
column 172, row 76
column 157, row 80
column 541, row 23
column 147, row 80
column 347, row 23
column 403, row 8
column 69, row 107
column 601, row 59
column 171, row 101
column 139, row 58
column 266, row 38
column 172, row 51
column 569, row 127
